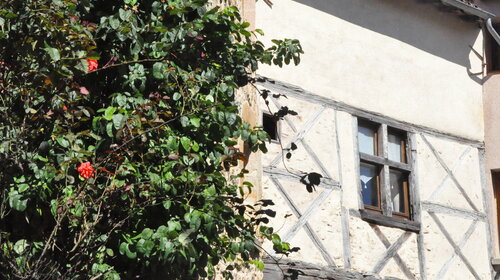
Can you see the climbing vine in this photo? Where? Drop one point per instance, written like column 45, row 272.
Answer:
column 118, row 122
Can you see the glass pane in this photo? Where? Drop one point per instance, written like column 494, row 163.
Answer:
column 366, row 139
column 399, row 191
column 396, row 147
column 369, row 184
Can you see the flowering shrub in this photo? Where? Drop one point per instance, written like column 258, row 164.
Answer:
column 158, row 120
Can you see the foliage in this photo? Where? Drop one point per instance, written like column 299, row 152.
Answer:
column 118, row 123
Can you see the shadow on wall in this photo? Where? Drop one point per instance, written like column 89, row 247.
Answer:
column 420, row 25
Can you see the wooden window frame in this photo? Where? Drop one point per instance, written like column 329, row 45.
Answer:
column 406, row 194
column 379, row 197
column 386, row 214
column 376, row 135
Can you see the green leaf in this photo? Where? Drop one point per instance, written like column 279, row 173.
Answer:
column 186, row 143
column 174, row 226
column 114, row 22
column 195, row 146
column 172, row 144
column 145, row 246
column 109, row 129
column 22, row 187
column 118, row 120
column 230, row 118
column 184, row 238
column 195, row 121
column 121, row 249
column 166, row 245
column 53, row 53
column 20, row 246
column 158, row 70
column 184, row 121
column 16, row 202
column 177, row 96
column 110, row 252
column 147, row 233
column 124, row 15
column 125, row 250
column 108, row 114
column 167, row 204
column 62, row 141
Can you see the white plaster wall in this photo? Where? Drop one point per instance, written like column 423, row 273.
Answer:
column 366, row 247
column 436, row 186
column 401, row 58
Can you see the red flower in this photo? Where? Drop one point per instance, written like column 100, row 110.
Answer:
column 84, row 90
column 93, row 64
column 86, row 170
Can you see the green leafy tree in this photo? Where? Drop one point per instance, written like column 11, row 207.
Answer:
column 118, row 123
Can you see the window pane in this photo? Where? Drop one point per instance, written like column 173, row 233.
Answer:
column 369, row 184
column 399, row 191
column 367, row 139
column 396, row 146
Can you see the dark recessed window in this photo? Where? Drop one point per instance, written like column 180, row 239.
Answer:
column 496, row 190
column 270, row 126
column 492, row 51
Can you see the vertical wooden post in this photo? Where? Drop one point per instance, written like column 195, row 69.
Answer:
column 385, row 183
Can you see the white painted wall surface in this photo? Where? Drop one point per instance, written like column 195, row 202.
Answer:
column 401, row 58
column 324, row 215
column 405, row 60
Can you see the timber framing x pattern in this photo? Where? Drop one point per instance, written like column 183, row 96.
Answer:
column 416, row 135
column 276, row 174
column 434, row 208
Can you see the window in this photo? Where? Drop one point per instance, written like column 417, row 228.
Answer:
column 384, row 171
column 492, row 51
column 495, row 176
column 270, row 124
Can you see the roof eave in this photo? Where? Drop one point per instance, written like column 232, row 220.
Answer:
column 469, row 9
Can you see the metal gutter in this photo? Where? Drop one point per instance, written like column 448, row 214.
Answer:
column 491, row 29
column 469, row 9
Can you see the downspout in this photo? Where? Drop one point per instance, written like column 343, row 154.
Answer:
column 495, row 263
column 491, row 29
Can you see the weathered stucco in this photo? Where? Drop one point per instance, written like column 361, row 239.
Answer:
column 491, row 92
column 403, row 58
column 462, row 215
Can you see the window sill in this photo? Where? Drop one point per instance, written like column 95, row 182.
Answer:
column 492, row 73
column 382, row 220
column 496, row 264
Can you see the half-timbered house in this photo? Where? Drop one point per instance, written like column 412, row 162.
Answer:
column 397, row 107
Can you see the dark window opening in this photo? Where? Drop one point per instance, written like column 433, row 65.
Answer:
column 492, row 51
column 495, row 176
column 270, row 125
